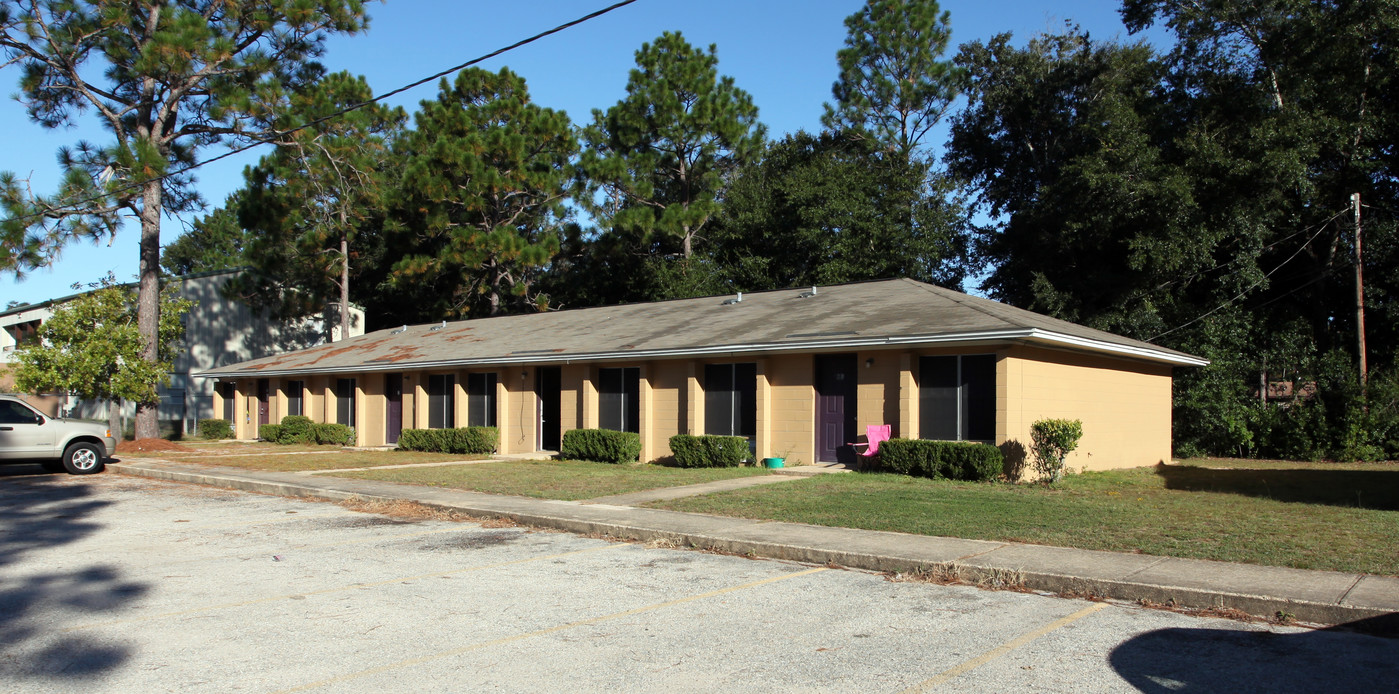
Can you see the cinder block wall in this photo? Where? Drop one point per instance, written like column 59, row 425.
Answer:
column 1125, row 406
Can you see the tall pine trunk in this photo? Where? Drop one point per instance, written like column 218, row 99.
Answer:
column 344, row 279
column 148, row 300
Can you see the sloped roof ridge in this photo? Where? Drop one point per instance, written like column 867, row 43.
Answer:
column 957, row 298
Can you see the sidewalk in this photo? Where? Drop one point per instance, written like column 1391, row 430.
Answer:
column 1322, row 597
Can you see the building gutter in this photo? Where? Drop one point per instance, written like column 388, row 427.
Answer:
column 1037, row 335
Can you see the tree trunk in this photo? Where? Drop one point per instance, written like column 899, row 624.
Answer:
column 148, row 300
column 344, row 281
column 114, row 417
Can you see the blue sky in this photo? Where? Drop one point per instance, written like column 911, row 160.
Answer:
column 780, row 51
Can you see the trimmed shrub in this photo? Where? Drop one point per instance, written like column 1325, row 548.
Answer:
column 954, row 460
column 296, row 429
column 270, row 432
column 337, row 434
column 1052, row 440
column 215, row 429
column 601, row 445
column 471, row 440
column 709, row 451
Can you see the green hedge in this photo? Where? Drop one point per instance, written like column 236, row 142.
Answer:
column 954, row 460
column 709, row 451
column 296, row 429
column 270, row 432
column 465, row 440
column 601, row 445
column 337, row 434
column 215, row 429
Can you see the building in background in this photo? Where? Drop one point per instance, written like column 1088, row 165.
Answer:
column 218, row 332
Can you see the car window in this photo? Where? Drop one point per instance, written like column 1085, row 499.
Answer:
column 12, row 412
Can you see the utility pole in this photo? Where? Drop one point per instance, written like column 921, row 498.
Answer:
column 1359, row 293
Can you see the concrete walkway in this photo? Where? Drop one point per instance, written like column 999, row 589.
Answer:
column 1322, row 597
column 668, row 493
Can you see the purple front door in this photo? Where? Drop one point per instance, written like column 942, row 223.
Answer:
column 835, row 405
column 393, row 389
column 264, row 411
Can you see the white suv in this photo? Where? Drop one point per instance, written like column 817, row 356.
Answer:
column 79, row 447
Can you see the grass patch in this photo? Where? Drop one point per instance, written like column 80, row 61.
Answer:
column 567, row 480
column 328, row 458
column 1307, row 516
column 219, row 448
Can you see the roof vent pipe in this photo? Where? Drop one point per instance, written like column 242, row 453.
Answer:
column 730, row 302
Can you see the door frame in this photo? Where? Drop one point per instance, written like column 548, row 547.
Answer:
column 548, row 393
column 833, row 365
column 391, row 433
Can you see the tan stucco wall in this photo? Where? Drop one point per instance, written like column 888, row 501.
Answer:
column 792, row 410
column 669, row 406
column 1125, row 406
column 521, row 418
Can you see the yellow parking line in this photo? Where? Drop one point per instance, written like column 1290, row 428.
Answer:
column 356, row 586
column 542, row 632
column 928, row 684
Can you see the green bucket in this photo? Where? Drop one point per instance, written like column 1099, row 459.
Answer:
column 772, row 462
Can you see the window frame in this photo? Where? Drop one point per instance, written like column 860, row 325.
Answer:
column 741, row 411
column 481, row 406
column 968, row 403
column 441, row 401
column 296, row 405
column 627, row 398
column 345, row 402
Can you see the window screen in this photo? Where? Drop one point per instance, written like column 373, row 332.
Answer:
column 619, row 399
column 957, row 398
column 345, row 401
column 294, row 389
column 730, row 399
column 228, row 390
column 441, row 401
column 480, row 400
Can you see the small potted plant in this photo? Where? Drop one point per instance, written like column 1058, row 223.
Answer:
column 777, row 461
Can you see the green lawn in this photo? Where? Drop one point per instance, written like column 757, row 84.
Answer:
column 327, row 458
column 554, row 479
column 1310, row 516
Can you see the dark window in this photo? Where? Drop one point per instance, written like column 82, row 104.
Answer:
column 619, row 399
column 228, row 390
column 294, row 389
column 441, row 401
column 957, row 398
column 12, row 412
column 480, row 400
column 345, row 401
column 730, row 400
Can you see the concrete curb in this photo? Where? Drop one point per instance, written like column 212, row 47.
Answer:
column 1032, row 567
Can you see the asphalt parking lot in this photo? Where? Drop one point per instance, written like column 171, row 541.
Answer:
column 118, row 584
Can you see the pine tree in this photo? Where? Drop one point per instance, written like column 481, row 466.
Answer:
column 481, row 202
column 165, row 78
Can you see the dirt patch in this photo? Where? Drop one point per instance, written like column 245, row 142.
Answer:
column 151, row 446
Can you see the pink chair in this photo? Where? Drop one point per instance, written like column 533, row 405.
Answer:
column 874, row 435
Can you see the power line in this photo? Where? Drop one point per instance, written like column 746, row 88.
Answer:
column 258, row 142
column 1248, row 289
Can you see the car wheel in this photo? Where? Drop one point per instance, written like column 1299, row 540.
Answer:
column 83, row 459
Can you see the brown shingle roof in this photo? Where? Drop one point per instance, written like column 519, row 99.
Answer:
column 849, row 316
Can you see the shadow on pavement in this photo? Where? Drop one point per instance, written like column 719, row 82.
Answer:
column 1373, row 489
column 39, row 511
column 1229, row 660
